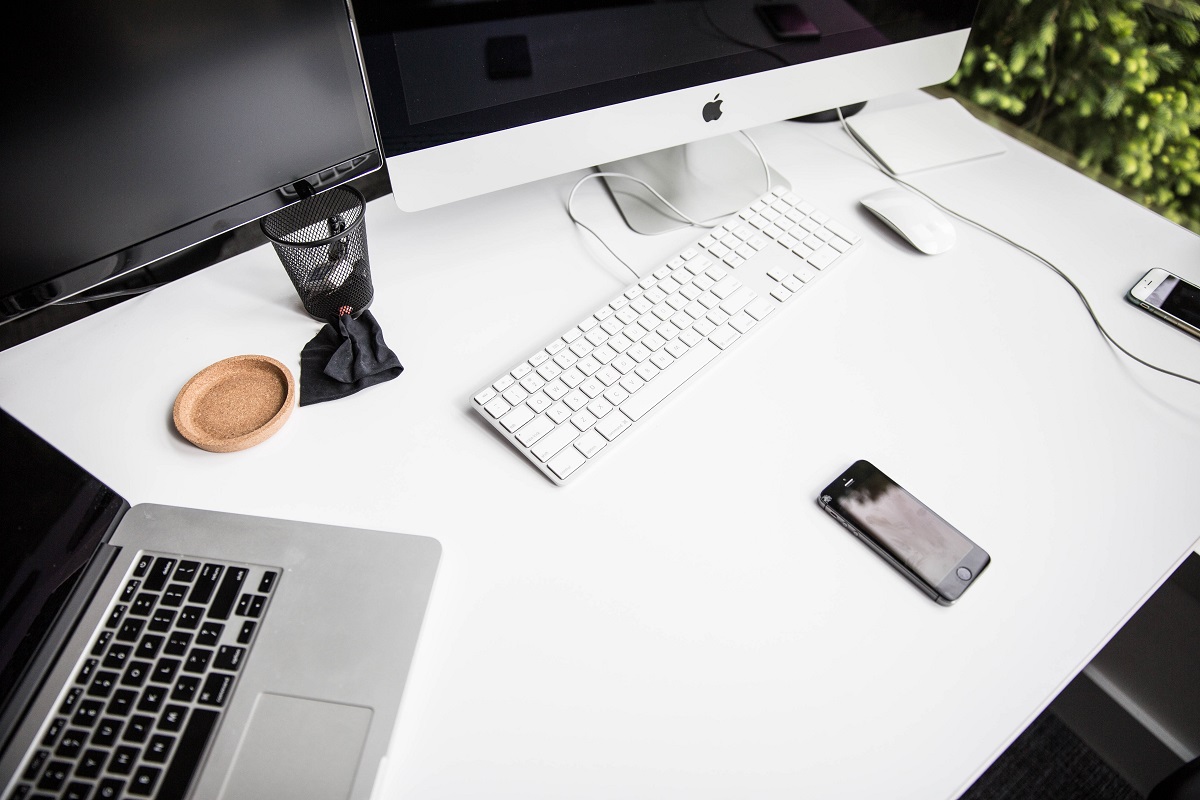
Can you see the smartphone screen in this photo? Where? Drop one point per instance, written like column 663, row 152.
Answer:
column 1178, row 298
column 931, row 551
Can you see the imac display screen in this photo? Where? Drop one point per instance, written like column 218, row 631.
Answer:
column 446, row 72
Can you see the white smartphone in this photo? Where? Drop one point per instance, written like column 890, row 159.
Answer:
column 1170, row 297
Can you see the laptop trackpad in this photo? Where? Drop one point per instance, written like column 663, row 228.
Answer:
column 299, row 749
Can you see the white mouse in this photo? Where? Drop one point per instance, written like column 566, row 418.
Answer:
column 923, row 226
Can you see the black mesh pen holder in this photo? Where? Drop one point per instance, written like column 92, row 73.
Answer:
column 322, row 242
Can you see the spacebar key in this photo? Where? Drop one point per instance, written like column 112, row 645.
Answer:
column 188, row 754
column 670, row 379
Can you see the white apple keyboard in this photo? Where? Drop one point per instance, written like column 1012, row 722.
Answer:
column 578, row 397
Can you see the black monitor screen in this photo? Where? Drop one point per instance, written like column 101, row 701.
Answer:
column 135, row 128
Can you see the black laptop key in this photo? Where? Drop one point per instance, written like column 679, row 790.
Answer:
column 172, row 718
column 210, row 634
column 91, row 763
column 85, row 672
column 190, row 617
column 106, row 733
column 178, row 643
column 110, row 789
column 116, row 615
column 71, row 700
column 197, row 660
column 55, row 776
column 247, row 631
column 117, row 656
column 143, row 565
column 149, row 646
column 138, row 728
column 216, row 689
column 143, row 604
column 152, row 698
column 35, row 765
column 185, row 688
column 206, row 583
column 188, row 752
column 160, row 573
column 137, row 673
column 123, row 759
column 268, row 582
column 71, row 744
column 231, row 584
column 122, row 703
column 131, row 629
column 174, row 595
column 162, row 620
column 186, row 571
column 76, row 790
column 143, row 781
column 159, row 749
column 52, row 733
column 229, row 658
column 101, row 641
column 87, row 712
column 103, row 683
column 130, row 590
column 165, row 669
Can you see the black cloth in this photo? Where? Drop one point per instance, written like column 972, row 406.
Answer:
column 345, row 357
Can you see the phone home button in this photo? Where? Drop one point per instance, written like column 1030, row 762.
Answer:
column 964, row 573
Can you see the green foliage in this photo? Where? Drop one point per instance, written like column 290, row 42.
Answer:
column 1114, row 82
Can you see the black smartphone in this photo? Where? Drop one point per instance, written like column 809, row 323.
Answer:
column 926, row 549
column 787, row 21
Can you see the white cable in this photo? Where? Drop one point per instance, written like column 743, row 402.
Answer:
column 1044, row 261
column 694, row 223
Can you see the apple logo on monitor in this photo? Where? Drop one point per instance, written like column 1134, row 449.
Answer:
column 712, row 109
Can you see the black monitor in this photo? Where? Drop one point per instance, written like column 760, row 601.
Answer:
column 137, row 128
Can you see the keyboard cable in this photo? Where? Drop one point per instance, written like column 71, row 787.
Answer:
column 1018, row 246
column 690, row 222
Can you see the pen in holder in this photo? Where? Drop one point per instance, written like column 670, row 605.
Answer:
column 322, row 242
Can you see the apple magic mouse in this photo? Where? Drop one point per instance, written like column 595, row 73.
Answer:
column 915, row 219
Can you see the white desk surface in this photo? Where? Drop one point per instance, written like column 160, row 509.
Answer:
column 683, row 621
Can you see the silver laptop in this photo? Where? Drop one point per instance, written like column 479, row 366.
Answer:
column 161, row 652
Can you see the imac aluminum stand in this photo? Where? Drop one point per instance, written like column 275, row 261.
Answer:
column 707, row 179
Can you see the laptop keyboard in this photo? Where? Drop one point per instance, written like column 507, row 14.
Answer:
column 148, row 692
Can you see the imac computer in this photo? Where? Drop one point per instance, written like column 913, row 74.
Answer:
column 136, row 129
column 478, row 96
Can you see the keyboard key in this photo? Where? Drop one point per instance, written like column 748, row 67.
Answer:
column 231, row 584
column 206, row 583
column 144, row 780
column 90, row 763
column 692, row 362
column 210, row 634
column 566, row 462
column 188, row 751
column 215, row 690
column 71, row 744
column 229, row 658
column 186, row 571
column 160, row 573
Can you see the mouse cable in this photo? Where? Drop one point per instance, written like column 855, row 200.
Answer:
column 1042, row 259
column 690, row 223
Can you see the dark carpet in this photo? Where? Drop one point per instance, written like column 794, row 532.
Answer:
column 1049, row 761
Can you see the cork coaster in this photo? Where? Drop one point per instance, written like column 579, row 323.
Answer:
column 235, row 403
